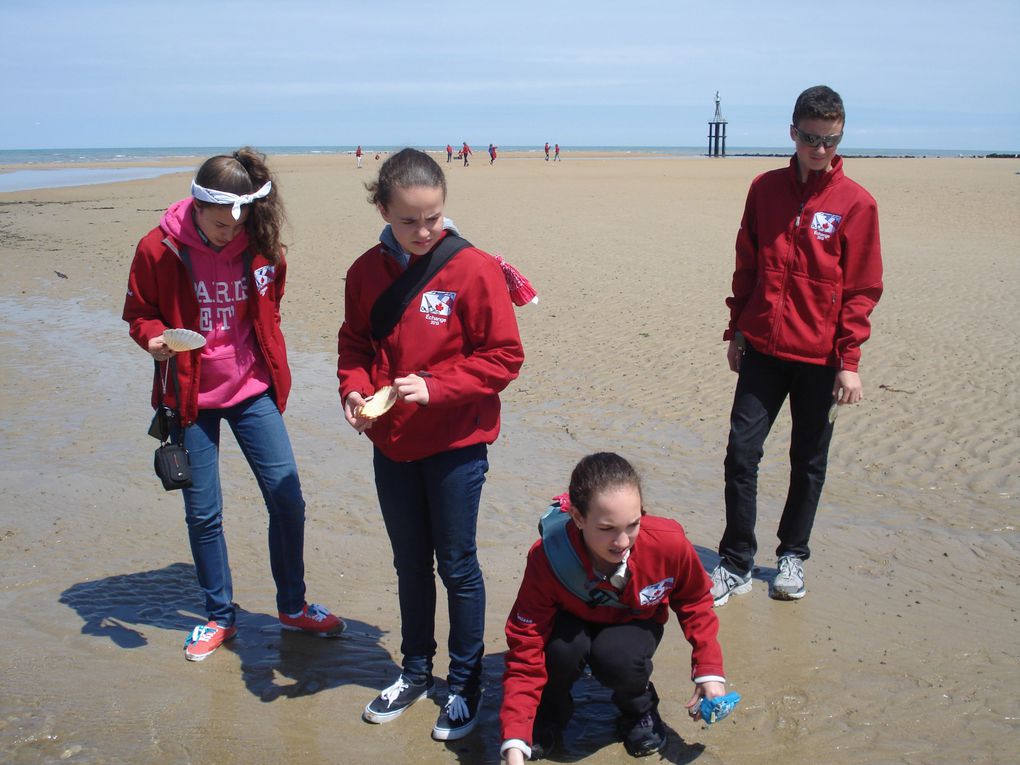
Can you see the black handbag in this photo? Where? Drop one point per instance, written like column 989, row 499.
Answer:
column 171, row 465
column 171, row 459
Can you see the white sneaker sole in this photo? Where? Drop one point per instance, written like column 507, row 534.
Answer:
column 781, row 595
column 452, row 734
column 742, row 589
column 384, row 717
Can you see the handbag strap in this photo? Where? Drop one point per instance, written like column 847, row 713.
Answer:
column 171, row 371
column 391, row 304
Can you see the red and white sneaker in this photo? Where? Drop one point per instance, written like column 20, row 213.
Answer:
column 315, row 620
column 205, row 639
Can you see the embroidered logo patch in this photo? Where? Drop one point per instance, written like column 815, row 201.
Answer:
column 825, row 224
column 653, row 593
column 437, row 306
column 263, row 277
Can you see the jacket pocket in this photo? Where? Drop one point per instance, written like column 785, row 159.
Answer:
column 808, row 321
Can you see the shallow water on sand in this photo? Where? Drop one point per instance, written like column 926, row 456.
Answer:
column 899, row 661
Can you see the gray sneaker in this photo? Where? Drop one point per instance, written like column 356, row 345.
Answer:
column 789, row 582
column 726, row 583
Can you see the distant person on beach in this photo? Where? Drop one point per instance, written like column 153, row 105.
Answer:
column 546, row 151
column 492, row 153
column 447, row 358
column 808, row 275
column 644, row 567
column 449, row 153
column 215, row 265
column 556, row 153
column 465, row 153
column 357, row 155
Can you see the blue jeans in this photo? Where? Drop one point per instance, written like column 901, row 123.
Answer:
column 260, row 432
column 762, row 387
column 430, row 507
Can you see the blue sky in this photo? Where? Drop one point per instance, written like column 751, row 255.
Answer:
column 106, row 73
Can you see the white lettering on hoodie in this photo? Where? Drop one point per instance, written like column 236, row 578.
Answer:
column 219, row 299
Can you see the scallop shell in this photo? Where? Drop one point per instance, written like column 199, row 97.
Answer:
column 379, row 403
column 182, row 339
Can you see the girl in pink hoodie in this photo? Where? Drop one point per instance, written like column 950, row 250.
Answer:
column 215, row 265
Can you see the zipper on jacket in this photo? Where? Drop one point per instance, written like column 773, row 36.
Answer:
column 776, row 324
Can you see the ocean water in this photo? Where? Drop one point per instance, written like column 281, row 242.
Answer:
column 24, row 169
column 73, row 156
column 53, row 178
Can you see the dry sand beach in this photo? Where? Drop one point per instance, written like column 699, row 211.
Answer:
column 905, row 649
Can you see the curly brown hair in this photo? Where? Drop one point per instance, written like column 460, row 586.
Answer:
column 243, row 172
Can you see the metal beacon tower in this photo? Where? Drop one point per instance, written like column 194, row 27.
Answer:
column 717, row 131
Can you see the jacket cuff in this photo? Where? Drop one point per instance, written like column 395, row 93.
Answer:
column 710, row 671
column 515, row 743
column 710, row 679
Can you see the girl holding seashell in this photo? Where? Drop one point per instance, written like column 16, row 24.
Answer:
column 436, row 375
column 203, row 299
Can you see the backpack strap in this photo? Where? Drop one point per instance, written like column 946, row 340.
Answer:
column 566, row 563
column 391, row 304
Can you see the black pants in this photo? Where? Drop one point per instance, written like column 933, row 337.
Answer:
column 762, row 387
column 620, row 657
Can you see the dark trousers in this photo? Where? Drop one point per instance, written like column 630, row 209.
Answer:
column 762, row 386
column 430, row 508
column 620, row 657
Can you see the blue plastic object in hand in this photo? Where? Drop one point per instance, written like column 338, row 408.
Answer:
column 713, row 710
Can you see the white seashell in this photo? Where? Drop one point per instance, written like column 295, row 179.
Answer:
column 833, row 411
column 182, row 339
column 379, row 403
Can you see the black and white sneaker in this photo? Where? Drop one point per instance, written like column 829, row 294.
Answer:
column 392, row 701
column 459, row 716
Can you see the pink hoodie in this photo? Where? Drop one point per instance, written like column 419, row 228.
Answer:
column 233, row 368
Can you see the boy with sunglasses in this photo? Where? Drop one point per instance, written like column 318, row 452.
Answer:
column 808, row 274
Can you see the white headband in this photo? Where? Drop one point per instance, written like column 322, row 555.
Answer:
column 226, row 198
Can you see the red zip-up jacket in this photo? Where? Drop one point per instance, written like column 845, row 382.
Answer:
column 808, row 267
column 460, row 334
column 161, row 295
column 665, row 574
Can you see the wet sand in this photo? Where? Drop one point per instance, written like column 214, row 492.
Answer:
column 904, row 650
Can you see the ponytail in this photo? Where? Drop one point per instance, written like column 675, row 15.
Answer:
column 243, row 172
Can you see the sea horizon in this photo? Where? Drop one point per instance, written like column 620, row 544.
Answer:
column 78, row 155
column 34, row 169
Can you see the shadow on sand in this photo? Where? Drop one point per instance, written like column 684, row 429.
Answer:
column 593, row 726
column 274, row 663
column 710, row 559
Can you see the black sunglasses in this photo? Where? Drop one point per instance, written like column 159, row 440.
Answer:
column 828, row 141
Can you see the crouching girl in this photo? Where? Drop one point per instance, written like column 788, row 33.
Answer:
column 597, row 592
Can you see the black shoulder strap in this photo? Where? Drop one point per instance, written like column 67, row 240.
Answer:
column 390, row 305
